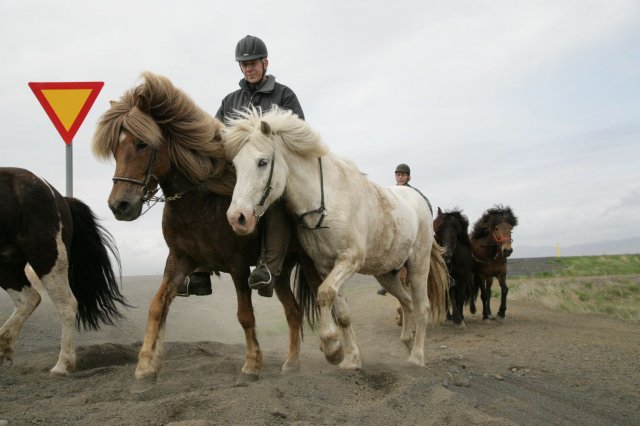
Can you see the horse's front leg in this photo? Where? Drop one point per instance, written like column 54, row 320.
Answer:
column 253, row 357
column 485, row 295
column 330, row 342
column 150, row 355
column 502, row 279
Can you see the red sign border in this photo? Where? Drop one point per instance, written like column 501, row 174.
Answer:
column 67, row 135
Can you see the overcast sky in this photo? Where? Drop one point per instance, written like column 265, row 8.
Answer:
column 531, row 104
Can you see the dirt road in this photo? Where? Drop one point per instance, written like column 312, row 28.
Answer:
column 540, row 367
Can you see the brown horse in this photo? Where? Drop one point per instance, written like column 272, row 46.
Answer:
column 159, row 137
column 68, row 253
column 452, row 233
column 491, row 242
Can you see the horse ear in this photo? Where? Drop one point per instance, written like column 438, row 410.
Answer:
column 439, row 211
column 112, row 103
column 265, row 128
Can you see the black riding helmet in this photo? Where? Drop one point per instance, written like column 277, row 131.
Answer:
column 250, row 48
column 403, row 168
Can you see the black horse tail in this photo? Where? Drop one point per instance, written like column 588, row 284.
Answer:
column 91, row 276
column 306, row 285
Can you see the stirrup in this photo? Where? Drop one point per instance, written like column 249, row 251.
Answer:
column 260, row 277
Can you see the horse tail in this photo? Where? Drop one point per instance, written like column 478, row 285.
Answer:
column 91, row 276
column 305, row 295
column 438, row 283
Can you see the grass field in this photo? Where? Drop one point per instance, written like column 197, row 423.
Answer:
column 589, row 284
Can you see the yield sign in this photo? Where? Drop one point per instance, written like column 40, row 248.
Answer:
column 67, row 104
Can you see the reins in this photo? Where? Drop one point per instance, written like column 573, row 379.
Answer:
column 258, row 209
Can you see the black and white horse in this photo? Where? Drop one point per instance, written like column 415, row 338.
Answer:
column 60, row 239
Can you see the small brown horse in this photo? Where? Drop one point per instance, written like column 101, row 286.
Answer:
column 491, row 242
column 452, row 233
column 159, row 136
column 68, row 252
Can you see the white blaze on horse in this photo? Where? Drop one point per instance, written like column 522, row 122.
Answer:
column 68, row 252
column 348, row 224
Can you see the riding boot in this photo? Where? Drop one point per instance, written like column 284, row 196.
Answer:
column 196, row 284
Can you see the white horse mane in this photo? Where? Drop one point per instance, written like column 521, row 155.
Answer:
column 291, row 131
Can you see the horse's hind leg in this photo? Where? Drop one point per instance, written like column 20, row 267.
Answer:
column 393, row 284
column 418, row 276
column 56, row 282
column 294, row 315
column 25, row 300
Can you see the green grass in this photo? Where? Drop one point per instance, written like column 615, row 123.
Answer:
column 587, row 266
column 617, row 296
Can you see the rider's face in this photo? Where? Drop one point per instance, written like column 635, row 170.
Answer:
column 402, row 178
column 254, row 70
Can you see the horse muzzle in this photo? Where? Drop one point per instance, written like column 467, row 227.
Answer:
column 126, row 210
column 242, row 221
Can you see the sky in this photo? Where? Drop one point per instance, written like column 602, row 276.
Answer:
column 530, row 104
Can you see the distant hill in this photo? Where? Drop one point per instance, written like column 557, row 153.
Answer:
column 624, row 246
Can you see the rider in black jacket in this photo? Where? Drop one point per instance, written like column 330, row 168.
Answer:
column 260, row 90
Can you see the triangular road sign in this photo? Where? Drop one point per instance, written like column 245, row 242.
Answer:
column 67, row 104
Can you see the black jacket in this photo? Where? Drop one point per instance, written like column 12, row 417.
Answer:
column 264, row 95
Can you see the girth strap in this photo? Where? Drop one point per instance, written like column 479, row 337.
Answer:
column 320, row 210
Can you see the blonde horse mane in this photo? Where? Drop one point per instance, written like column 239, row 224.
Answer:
column 293, row 134
column 157, row 112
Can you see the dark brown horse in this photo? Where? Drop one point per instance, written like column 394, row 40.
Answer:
column 68, row 252
column 159, row 136
column 491, row 242
column 452, row 233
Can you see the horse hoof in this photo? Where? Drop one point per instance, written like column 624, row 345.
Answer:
column 461, row 326
column 335, row 356
column 499, row 319
column 291, row 367
column 144, row 384
column 245, row 379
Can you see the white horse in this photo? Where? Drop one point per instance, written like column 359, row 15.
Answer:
column 348, row 224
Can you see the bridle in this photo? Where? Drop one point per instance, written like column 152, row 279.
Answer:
column 149, row 190
column 498, row 244
column 259, row 210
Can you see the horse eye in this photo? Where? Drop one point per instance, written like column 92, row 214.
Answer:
column 262, row 162
column 140, row 146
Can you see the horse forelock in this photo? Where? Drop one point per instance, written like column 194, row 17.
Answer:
column 157, row 112
column 491, row 218
column 456, row 215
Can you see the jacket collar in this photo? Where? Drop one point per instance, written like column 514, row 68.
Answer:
column 265, row 86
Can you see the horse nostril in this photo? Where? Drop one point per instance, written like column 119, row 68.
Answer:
column 242, row 220
column 123, row 207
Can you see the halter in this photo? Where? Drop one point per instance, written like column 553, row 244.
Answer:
column 320, row 210
column 502, row 240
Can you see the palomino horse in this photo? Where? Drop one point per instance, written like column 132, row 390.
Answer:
column 159, row 136
column 348, row 224
column 67, row 249
column 491, row 242
column 452, row 233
